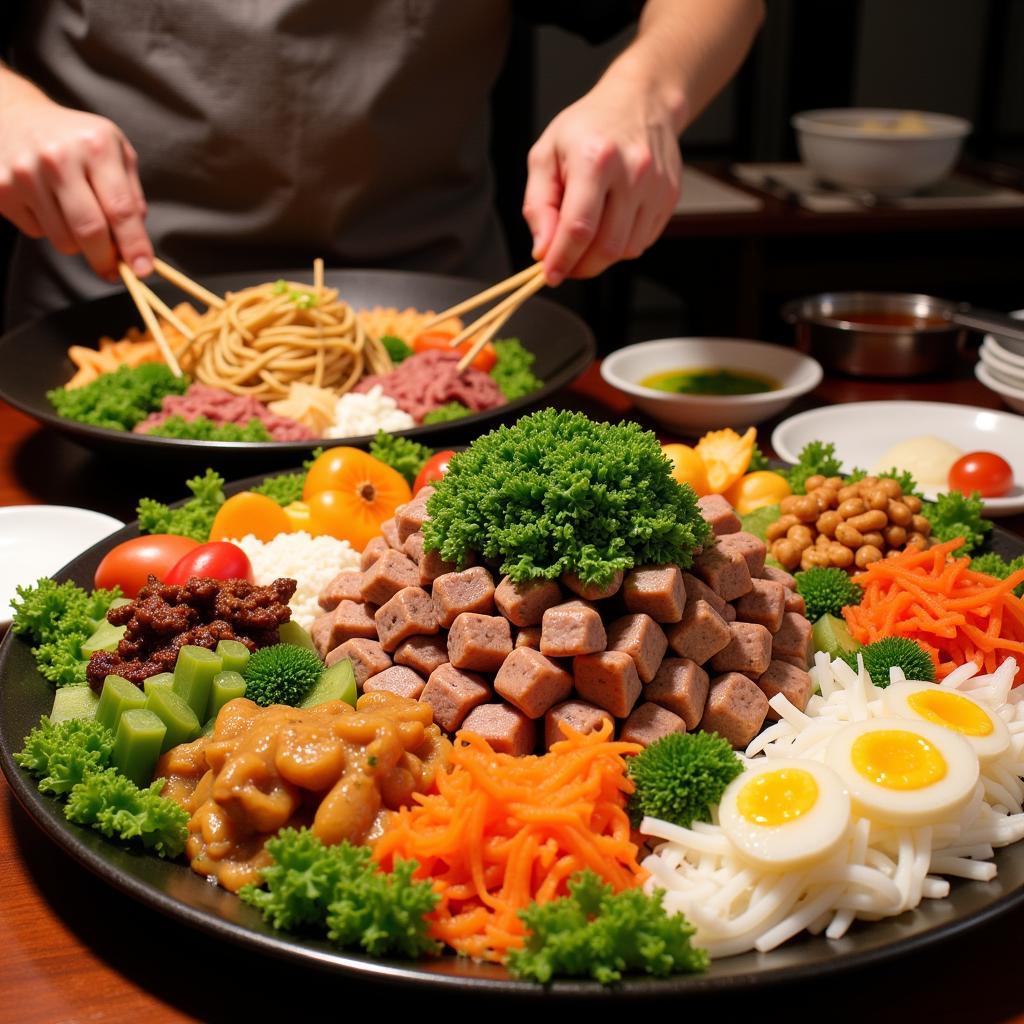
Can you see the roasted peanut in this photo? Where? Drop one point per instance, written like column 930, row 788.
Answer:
column 849, row 535
column 921, row 525
column 786, row 553
column 895, row 536
column 873, row 520
column 898, row 513
column 806, row 509
column 828, row 521
column 878, row 499
column 780, row 526
column 800, row 535
column 866, row 555
column 852, row 507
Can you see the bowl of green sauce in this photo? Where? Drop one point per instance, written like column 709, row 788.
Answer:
column 699, row 384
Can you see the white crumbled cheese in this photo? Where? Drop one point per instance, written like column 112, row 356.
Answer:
column 312, row 561
column 357, row 414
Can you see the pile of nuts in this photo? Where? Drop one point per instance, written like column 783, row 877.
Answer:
column 846, row 525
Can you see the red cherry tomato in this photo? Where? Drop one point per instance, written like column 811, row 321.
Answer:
column 435, row 468
column 219, row 559
column 441, row 340
column 129, row 565
column 985, row 472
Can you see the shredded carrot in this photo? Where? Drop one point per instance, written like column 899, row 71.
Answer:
column 503, row 831
column 957, row 615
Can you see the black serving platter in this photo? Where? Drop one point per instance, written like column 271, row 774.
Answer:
column 173, row 889
column 35, row 357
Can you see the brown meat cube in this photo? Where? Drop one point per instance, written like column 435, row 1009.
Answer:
column 410, row 517
column 680, row 685
column 702, row 633
column 453, row 694
column 348, row 621
column 577, row 714
column 532, row 682
column 346, row 586
column 397, row 679
column 409, row 613
column 570, row 629
column 524, row 604
column 479, row 642
column 471, row 590
column 750, row 547
column 793, row 639
column 764, row 604
column 609, row 680
column 593, row 591
column 749, row 650
column 432, row 565
column 367, row 657
column 648, row 723
column 505, row 728
column 655, row 590
column 391, row 573
column 781, row 677
column 389, row 531
column 795, row 603
column 725, row 572
column 735, row 709
column 719, row 514
column 422, row 653
column 528, row 636
column 642, row 639
column 372, row 552
column 770, row 572
column 697, row 590
column 413, row 547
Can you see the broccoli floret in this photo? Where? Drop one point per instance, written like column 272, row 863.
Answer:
column 405, row 456
column 883, row 654
column 681, row 777
column 281, row 674
column 61, row 755
column 827, row 591
column 992, row 565
column 595, row 932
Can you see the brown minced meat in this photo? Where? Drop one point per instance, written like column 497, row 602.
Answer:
column 165, row 617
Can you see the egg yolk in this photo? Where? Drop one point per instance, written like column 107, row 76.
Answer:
column 950, row 710
column 894, row 759
column 774, row 798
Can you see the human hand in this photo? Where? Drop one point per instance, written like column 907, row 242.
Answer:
column 603, row 181
column 71, row 177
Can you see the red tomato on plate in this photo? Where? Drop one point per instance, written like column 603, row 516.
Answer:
column 441, row 340
column 435, row 468
column 985, row 472
column 219, row 559
column 130, row 564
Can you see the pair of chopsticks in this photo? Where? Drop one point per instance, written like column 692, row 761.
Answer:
column 522, row 285
column 149, row 304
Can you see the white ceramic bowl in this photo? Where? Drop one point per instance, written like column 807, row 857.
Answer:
column 1011, row 394
column 888, row 153
column 693, row 414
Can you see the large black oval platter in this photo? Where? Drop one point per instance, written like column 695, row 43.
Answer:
column 175, row 890
column 37, row 361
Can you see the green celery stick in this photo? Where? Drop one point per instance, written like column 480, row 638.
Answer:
column 227, row 685
column 140, row 737
column 181, row 721
column 337, row 682
column 234, row 654
column 161, row 681
column 291, row 632
column 117, row 696
column 73, row 702
column 193, row 676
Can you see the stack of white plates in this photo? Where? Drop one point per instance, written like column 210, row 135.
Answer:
column 1002, row 369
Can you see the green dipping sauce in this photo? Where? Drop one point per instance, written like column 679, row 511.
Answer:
column 711, row 381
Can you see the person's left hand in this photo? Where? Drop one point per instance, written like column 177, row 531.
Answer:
column 603, row 180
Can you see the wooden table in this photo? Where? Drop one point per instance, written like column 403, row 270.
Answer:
column 71, row 949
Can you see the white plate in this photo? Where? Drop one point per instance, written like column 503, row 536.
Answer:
column 863, row 431
column 36, row 540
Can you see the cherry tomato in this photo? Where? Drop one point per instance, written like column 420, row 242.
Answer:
column 219, row 559
column 441, row 340
column 435, row 468
column 130, row 564
column 985, row 472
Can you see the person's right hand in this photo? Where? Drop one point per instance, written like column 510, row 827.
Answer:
column 71, row 177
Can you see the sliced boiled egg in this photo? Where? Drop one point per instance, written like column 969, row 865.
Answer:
column 902, row 772
column 925, row 702
column 785, row 812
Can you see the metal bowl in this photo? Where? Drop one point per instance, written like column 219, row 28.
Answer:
column 841, row 330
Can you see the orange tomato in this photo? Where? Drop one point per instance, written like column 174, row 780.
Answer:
column 430, row 340
column 350, row 493
column 248, row 512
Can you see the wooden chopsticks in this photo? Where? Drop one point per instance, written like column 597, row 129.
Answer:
column 522, row 285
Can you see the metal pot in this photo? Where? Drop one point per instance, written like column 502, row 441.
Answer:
column 842, row 330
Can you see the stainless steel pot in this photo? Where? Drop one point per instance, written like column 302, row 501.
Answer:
column 828, row 328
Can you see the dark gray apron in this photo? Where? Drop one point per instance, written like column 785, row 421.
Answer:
column 273, row 131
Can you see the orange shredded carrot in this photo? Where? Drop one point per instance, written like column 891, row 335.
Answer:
column 957, row 615
column 503, row 831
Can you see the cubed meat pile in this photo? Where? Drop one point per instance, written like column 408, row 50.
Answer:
column 658, row 649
